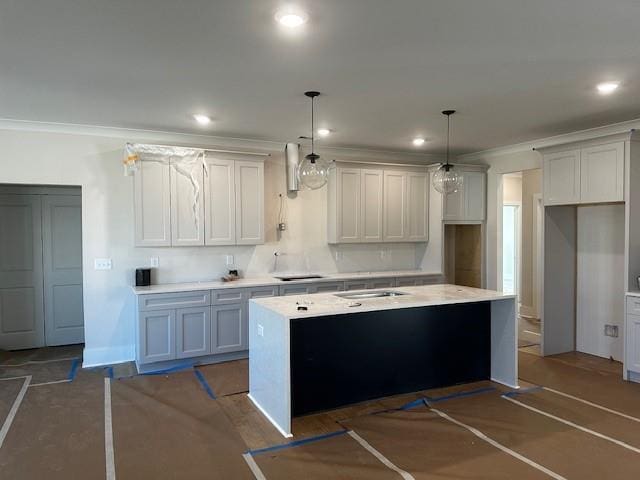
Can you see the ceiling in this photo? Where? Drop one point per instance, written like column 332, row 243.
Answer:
column 515, row 70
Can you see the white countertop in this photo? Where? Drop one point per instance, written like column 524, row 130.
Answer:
column 270, row 280
column 321, row 304
column 633, row 294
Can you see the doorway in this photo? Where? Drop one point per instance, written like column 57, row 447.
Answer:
column 519, row 250
column 40, row 266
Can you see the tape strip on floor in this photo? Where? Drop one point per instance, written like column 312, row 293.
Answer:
column 499, row 446
column 205, row 385
column 37, row 362
column 108, row 432
column 73, row 370
column 253, row 466
column 574, row 425
column 591, row 404
column 297, row 443
column 14, row 409
column 384, row 460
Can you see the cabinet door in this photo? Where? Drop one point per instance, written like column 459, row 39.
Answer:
column 602, row 173
column 633, row 343
column 561, row 172
column 152, row 211
column 193, row 327
column 453, row 205
column 187, row 205
column 156, row 336
column 249, row 202
column 395, row 206
column 348, row 205
column 474, row 196
column 229, row 328
column 219, row 202
column 371, row 205
column 417, row 207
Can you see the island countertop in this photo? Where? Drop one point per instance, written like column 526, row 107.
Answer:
column 322, row 304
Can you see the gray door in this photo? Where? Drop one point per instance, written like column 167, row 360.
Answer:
column 62, row 251
column 21, row 303
column 193, row 332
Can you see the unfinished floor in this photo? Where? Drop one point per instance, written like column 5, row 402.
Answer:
column 573, row 418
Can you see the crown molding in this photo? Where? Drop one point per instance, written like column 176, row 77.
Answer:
column 209, row 141
column 578, row 136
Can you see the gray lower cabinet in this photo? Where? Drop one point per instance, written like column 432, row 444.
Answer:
column 299, row 289
column 328, row 287
column 193, row 332
column 229, row 328
column 415, row 281
column 156, row 336
column 371, row 283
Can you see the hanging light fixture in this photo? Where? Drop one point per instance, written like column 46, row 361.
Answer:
column 313, row 172
column 446, row 179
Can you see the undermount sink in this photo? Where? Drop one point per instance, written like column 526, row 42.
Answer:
column 365, row 295
column 289, row 278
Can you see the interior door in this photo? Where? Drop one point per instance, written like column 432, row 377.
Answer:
column 21, row 303
column 62, row 255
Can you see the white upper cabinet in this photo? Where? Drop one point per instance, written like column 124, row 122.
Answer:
column 249, row 182
column 152, row 205
column 349, row 214
column 371, row 212
column 602, row 173
column 395, row 206
column 378, row 205
column 187, row 205
column 592, row 174
column 468, row 203
column 220, row 202
column 562, row 178
column 418, row 206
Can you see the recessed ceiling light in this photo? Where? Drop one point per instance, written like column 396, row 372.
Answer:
column 290, row 18
column 419, row 141
column 202, row 119
column 323, row 132
column 607, row 87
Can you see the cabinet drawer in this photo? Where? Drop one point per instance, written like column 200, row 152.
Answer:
column 296, row 289
column 163, row 301
column 382, row 283
column 633, row 305
column 356, row 285
column 329, row 287
column 262, row 292
column 226, row 296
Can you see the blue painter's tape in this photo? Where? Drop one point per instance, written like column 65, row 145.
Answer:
column 175, row 368
column 297, row 443
column 205, row 385
column 522, row 391
column 467, row 393
column 416, row 403
column 73, row 370
column 110, row 372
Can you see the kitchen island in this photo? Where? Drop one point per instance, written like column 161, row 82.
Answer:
column 309, row 353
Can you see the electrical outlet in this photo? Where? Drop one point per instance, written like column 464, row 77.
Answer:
column 260, row 330
column 338, row 255
column 102, row 264
column 154, row 262
column 611, row 331
column 383, row 254
column 229, row 260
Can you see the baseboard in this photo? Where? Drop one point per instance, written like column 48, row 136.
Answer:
column 97, row 357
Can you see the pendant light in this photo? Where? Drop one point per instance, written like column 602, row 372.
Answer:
column 446, row 179
column 313, row 172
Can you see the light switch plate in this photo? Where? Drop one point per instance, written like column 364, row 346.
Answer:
column 229, row 260
column 260, row 330
column 155, row 262
column 102, row 264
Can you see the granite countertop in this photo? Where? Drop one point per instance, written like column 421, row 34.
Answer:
column 321, row 304
column 270, row 280
column 632, row 294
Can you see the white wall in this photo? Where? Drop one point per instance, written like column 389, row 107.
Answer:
column 94, row 162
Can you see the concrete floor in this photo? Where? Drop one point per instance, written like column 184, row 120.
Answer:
column 59, row 421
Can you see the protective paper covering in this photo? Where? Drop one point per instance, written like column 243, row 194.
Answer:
column 185, row 160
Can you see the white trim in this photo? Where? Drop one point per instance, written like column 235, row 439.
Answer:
column 574, row 425
column 499, row 446
column 108, row 433
column 384, row 460
column 253, row 466
column 577, row 136
column 284, row 433
column 49, row 383
column 98, row 357
column 14, row 409
column 37, row 362
column 204, row 141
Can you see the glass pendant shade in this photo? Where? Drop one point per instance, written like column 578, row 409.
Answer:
column 313, row 172
column 447, row 180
